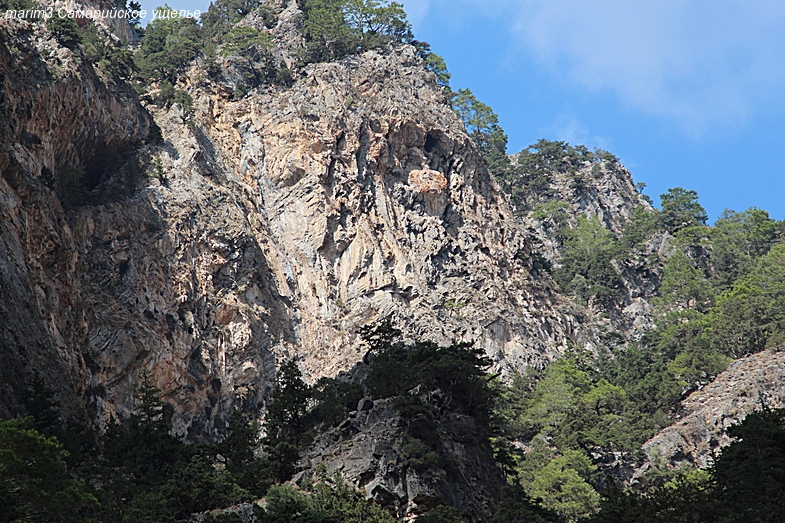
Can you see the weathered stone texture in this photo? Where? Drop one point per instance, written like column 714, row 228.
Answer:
column 275, row 226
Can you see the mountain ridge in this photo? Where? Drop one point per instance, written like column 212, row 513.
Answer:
column 268, row 223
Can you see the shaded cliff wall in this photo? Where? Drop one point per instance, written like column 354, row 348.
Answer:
column 57, row 114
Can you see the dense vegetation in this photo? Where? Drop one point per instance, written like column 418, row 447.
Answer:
column 720, row 298
column 745, row 484
column 336, row 28
column 710, row 311
column 139, row 471
column 332, row 30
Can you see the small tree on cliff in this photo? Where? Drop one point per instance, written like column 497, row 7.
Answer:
column 285, row 412
column 336, row 28
column 680, row 209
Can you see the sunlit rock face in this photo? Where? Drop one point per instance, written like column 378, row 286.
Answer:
column 699, row 434
column 258, row 229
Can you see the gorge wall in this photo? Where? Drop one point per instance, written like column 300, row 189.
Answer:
column 280, row 224
column 207, row 245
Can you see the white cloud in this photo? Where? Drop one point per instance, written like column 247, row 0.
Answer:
column 701, row 66
column 567, row 127
column 707, row 67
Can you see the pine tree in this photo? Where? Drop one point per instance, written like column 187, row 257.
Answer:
column 680, row 209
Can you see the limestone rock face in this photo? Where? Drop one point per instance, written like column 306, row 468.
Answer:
column 707, row 413
column 257, row 230
column 377, row 205
column 263, row 228
column 274, row 226
column 57, row 110
column 604, row 190
column 642, row 275
column 371, row 450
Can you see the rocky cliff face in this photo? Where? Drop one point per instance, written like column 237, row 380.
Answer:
column 261, row 229
column 256, row 230
column 371, row 450
column 600, row 189
column 57, row 115
column 693, row 441
column 382, row 208
column 273, row 225
column 605, row 191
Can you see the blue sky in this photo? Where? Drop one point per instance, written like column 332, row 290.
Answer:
column 685, row 93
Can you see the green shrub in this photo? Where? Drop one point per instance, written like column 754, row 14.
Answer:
column 680, row 209
column 335, row 399
column 329, row 500
column 640, row 227
column 440, row 514
column 228, row 517
column 515, row 506
column 16, row 5
column 169, row 44
column 166, row 92
column 65, row 30
column 114, row 60
column 586, row 270
column 223, row 14
column 240, row 39
column 434, row 63
column 184, row 100
column 553, row 210
column 482, row 124
column 419, row 455
column 452, row 377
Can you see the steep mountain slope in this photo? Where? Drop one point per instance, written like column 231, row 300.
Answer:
column 209, row 242
column 268, row 227
column 372, row 451
column 554, row 187
column 700, row 432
